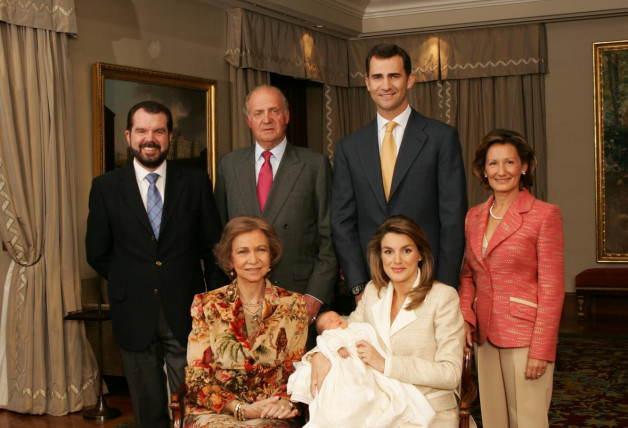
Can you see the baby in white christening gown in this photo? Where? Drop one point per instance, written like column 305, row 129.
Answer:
column 353, row 393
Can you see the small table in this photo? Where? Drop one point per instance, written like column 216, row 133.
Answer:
column 101, row 412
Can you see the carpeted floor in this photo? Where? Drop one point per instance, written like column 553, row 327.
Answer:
column 590, row 383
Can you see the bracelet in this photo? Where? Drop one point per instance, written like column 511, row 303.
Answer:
column 291, row 404
column 238, row 411
column 241, row 413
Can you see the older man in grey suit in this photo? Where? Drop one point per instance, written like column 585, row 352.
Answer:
column 290, row 187
column 400, row 163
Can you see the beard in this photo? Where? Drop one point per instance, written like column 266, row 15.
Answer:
column 152, row 162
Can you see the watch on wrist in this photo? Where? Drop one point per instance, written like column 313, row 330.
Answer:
column 357, row 289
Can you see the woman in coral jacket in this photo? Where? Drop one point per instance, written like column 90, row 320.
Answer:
column 512, row 286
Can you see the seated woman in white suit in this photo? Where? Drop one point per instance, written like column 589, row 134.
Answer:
column 418, row 321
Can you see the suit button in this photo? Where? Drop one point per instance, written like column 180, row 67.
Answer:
column 285, row 226
column 152, row 237
column 155, row 292
column 158, row 263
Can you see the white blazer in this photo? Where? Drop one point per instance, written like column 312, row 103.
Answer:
column 423, row 346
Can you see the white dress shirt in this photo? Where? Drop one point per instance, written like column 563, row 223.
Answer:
column 275, row 157
column 398, row 131
column 143, row 183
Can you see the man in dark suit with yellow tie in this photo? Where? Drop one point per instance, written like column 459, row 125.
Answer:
column 151, row 224
column 400, row 163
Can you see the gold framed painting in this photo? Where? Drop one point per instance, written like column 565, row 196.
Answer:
column 610, row 75
column 191, row 100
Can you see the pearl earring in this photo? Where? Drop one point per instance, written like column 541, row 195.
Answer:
column 523, row 173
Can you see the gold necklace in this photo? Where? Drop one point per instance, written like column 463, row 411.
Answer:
column 254, row 314
column 258, row 303
column 253, row 304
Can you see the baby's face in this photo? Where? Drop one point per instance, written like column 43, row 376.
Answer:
column 331, row 320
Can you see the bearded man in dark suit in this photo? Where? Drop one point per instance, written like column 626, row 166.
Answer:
column 150, row 230
column 418, row 173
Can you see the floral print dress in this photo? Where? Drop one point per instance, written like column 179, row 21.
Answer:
column 226, row 363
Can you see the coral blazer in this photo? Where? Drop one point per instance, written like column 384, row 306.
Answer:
column 514, row 295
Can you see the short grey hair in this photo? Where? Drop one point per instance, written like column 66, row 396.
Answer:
column 286, row 105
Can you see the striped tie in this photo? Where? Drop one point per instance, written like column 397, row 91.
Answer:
column 154, row 205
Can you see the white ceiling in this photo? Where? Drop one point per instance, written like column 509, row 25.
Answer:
column 363, row 18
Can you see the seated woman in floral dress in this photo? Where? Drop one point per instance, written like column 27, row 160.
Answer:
column 245, row 337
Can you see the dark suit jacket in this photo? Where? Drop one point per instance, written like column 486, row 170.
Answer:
column 298, row 209
column 142, row 271
column 428, row 185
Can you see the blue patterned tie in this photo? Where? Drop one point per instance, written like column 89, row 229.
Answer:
column 154, row 205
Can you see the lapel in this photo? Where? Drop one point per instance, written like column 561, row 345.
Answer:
column 131, row 195
column 512, row 220
column 414, row 139
column 245, row 165
column 287, row 174
column 381, row 315
column 369, row 156
column 174, row 188
column 477, row 226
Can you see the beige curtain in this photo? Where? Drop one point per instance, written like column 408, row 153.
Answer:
column 268, row 44
column 50, row 367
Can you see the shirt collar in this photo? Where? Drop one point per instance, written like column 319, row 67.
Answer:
column 401, row 120
column 277, row 151
column 141, row 172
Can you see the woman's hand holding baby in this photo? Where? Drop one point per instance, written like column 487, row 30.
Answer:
column 369, row 356
column 320, row 368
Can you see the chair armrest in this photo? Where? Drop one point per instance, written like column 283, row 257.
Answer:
column 177, row 405
column 468, row 390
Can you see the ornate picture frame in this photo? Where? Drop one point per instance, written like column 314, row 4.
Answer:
column 117, row 88
column 610, row 79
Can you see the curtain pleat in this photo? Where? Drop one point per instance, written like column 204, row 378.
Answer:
column 50, row 366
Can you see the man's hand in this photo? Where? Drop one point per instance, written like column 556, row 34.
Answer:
column 313, row 307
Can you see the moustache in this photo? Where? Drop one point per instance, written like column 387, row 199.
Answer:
column 150, row 145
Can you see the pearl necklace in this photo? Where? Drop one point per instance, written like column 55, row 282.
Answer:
column 490, row 211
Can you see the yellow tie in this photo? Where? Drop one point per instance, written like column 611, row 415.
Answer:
column 388, row 157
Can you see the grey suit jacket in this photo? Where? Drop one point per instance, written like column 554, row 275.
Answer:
column 298, row 209
column 428, row 185
column 423, row 346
